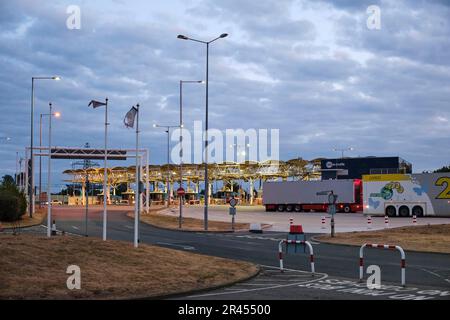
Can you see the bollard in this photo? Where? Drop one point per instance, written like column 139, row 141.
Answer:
column 414, row 220
column 369, row 222
column 54, row 228
column 291, row 221
column 386, row 221
column 323, row 222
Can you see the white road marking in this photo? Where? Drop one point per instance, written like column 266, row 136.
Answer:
column 269, row 286
column 184, row 247
column 76, row 228
column 128, row 227
column 435, row 274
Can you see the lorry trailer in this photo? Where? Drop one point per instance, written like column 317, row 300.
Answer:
column 404, row 195
column 302, row 195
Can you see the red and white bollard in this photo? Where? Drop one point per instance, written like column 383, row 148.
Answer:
column 386, row 221
column 414, row 220
column 323, row 222
column 369, row 222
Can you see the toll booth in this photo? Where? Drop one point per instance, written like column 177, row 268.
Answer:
column 296, row 233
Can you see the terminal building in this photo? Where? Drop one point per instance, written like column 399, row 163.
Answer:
column 355, row 168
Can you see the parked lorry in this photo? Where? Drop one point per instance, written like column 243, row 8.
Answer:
column 302, row 195
column 404, row 195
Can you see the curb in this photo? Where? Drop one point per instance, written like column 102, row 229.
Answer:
column 27, row 226
column 267, row 226
column 191, row 231
column 203, row 290
column 357, row 246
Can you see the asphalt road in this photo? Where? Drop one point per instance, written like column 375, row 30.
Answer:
column 427, row 274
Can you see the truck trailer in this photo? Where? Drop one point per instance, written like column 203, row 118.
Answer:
column 302, row 195
column 404, row 195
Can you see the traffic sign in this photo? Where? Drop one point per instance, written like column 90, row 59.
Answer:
column 232, row 211
column 233, row 202
column 181, row 192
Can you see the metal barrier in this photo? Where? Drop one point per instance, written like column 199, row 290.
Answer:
column 382, row 246
column 307, row 243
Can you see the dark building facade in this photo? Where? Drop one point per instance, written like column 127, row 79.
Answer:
column 355, row 168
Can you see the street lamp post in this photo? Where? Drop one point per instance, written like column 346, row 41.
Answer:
column 168, row 155
column 49, row 194
column 31, row 189
column 207, row 43
column 342, row 150
column 181, row 143
column 57, row 115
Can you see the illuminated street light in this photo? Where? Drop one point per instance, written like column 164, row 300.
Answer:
column 207, row 43
column 31, row 189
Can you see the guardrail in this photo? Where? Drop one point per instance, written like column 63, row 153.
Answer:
column 307, row 243
column 382, row 246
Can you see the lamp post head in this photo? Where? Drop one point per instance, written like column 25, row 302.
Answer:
column 224, row 35
column 57, row 78
column 182, row 37
column 57, row 114
column 155, row 125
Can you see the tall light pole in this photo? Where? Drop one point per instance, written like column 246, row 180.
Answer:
column 31, row 190
column 168, row 154
column 207, row 43
column 49, row 191
column 342, row 150
column 181, row 142
column 57, row 115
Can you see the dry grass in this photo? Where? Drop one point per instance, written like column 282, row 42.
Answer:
column 33, row 267
column 430, row 238
column 190, row 224
column 26, row 221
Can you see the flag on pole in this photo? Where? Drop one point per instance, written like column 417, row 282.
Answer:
column 130, row 117
column 96, row 104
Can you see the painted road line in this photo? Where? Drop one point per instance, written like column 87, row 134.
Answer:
column 435, row 274
column 76, row 228
column 128, row 226
column 184, row 247
column 320, row 276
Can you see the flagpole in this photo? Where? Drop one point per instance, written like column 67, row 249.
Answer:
column 137, row 194
column 105, row 174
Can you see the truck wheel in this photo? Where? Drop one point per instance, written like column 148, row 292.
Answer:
column 289, row 208
column 280, row 208
column 347, row 209
column 403, row 211
column 391, row 212
column 298, row 208
column 417, row 211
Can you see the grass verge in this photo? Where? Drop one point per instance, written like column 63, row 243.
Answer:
column 35, row 267
column 189, row 224
column 429, row 238
column 26, row 221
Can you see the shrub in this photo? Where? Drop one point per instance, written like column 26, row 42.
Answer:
column 13, row 203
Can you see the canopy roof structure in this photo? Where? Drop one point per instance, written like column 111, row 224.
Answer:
column 297, row 169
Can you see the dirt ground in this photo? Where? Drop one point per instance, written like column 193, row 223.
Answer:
column 191, row 224
column 429, row 238
column 34, row 267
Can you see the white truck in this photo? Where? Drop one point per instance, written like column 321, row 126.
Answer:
column 404, row 195
column 302, row 195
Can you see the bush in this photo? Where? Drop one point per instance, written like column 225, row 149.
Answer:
column 13, row 203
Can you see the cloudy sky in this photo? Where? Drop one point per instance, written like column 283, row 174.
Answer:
column 312, row 69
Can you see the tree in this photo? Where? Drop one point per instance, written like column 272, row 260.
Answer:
column 443, row 169
column 8, row 180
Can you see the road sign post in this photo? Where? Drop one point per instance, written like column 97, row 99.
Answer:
column 332, row 198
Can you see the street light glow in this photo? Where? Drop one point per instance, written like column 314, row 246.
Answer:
column 57, row 78
column 57, row 114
